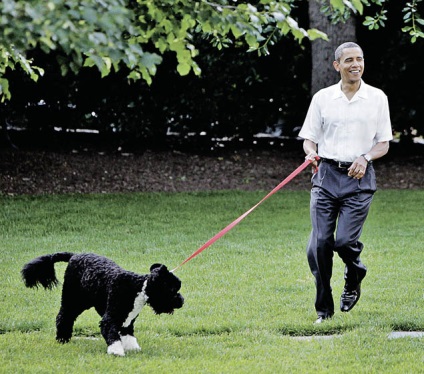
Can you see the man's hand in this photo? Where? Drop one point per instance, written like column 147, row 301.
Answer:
column 310, row 149
column 312, row 156
column 358, row 168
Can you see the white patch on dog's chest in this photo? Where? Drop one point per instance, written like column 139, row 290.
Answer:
column 139, row 301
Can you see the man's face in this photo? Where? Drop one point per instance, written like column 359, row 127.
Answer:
column 351, row 65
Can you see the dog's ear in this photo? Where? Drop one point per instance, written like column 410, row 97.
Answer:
column 160, row 266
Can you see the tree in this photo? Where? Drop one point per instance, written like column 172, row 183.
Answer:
column 323, row 73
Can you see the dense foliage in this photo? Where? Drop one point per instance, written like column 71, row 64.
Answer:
column 232, row 93
column 133, row 34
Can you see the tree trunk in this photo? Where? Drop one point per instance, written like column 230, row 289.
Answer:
column 323, row 73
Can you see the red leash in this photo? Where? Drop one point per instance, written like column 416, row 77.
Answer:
column 234, row 223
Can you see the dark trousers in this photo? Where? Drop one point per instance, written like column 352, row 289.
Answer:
column 339, row 206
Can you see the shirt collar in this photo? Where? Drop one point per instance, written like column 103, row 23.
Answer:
column 361, row 93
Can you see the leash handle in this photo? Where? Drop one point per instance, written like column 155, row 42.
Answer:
column 235, row 222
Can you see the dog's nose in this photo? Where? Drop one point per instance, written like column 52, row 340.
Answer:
column 179, row 301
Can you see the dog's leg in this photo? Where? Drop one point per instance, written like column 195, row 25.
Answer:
column 64, row 326
column 129, row 342
column 116, row 348
column 65, row 321
column 110, row 333
column 128, row 339
column 73, row 304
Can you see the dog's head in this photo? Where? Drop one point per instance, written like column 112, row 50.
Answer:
column 162, row 290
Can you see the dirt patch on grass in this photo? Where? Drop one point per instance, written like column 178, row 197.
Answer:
column 42, row 172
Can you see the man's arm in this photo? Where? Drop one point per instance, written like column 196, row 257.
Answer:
column 357, row 170
column 379, row 150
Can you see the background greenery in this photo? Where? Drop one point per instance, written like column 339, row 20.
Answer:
column 237, row 95
column 249, row 297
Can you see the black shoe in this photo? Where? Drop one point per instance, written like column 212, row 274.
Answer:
column 349, row 298
column 352, row 289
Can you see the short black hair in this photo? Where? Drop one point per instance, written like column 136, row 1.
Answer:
column 339, row 51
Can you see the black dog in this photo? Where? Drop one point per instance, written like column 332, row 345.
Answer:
column 116, row 294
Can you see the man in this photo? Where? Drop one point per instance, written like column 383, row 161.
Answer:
column 347, row 126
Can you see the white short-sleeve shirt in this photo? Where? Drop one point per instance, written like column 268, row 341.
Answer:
column 344, row 129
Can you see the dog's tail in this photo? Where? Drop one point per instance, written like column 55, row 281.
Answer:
column 41, row 270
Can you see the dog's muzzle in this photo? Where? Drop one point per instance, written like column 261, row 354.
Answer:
column 179, row 301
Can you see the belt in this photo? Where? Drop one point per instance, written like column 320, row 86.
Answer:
column 339, row 164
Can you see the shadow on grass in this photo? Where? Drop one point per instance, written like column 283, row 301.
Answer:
column 86, row 333
column 325, row 329
column 407, row 326
column 25, row 327
column 293, row 331
column 28, row 327
column 222, row 330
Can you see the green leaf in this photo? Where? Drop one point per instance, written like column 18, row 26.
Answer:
column 187, row 22
column 150, row 61
column 162, row 45
column 368, row 21
column 145, row 75
column 206, row 27
column 4, row 90
column 107, row 66
column 89, row 62
column 251, row 41
column 236, row 31
column 183, row 68
column 278, row 16
column 284, row 27
column 196, row 68
column 338, row 4
column 134, row 75
column 317, row 34
column 89, row 15
column 358, row 6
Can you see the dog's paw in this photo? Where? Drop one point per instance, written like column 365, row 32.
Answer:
column 63, row 340
column 116, row 349
column 129, row 343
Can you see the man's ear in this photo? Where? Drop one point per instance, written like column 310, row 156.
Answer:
column 336, row 66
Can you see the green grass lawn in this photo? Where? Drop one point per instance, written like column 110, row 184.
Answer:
column 249, row 297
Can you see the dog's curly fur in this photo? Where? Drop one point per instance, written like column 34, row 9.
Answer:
column 116, row 294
